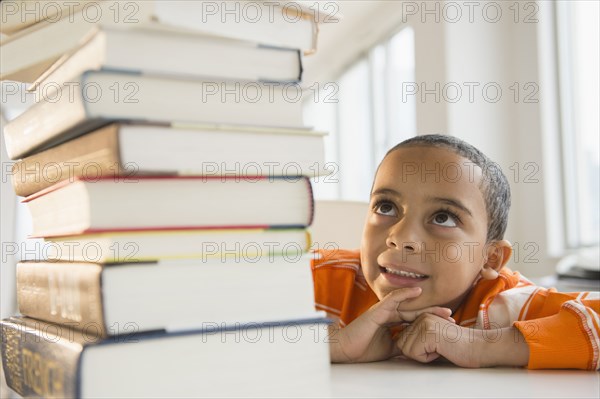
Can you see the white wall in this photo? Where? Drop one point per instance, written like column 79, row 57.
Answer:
column 497, row 50
column 503, row 54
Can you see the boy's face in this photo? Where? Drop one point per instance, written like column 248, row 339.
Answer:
column 426, row 227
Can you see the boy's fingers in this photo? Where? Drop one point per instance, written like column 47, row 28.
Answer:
column 396, row 297
column 391, row 303
column 386, row 311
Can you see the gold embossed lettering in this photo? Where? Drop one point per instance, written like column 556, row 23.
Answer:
column 43, row 376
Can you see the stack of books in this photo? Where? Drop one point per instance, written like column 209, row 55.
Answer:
column 166, row 165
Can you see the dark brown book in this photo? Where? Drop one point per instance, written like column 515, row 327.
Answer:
column 262, row 359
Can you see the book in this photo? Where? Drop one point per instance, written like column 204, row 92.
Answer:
column 568, row 283
column 582, row 264
column 159, row 51
column 51, row 40
column 261, row 360
column 278, row 23
column 171, row 295
column 142, row 149
column 138, row 246
column 579, row 270
column 163, row 203
column 99, row 97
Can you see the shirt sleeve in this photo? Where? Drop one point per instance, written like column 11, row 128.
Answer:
column 561, row 329
column 340, row 288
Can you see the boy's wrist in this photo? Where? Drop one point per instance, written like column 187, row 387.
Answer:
column 336, row 350
column 485, row 348
column 360, row 341
column 502, row 347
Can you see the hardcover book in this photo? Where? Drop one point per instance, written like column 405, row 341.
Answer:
column 170, row 295
column 98, row 97
column 276, row 359
column 154, row 49
column 170, row 203
column 146, row 149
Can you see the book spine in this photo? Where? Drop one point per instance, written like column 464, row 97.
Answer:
column 69, row 294
column 43, row 122
column 311, row 199
column 300, row 66
column 94, row 155
column 40, row 360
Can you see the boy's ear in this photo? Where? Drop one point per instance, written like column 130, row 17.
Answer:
column 497, row 254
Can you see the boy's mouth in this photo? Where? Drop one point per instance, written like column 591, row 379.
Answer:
column 403, row 273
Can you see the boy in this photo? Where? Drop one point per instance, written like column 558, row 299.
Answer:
column 430, row 281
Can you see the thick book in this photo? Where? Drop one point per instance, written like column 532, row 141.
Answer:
column 142, row 149
column 159, row 51
column 99, row 97
column 169, row 203
column 170, row 295
column 138, row 246
column 275, row 359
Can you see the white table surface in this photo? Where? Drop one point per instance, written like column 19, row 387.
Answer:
column 408, row 379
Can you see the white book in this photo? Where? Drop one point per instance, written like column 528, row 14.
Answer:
column 160, row 51
column 138, row 246
column 170, row 203
column 97, row 97
column 144, row 149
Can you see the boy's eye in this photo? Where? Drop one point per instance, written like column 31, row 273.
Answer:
column 385, row 208
column 444, row 219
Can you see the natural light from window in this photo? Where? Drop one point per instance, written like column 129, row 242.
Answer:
column 579, row 48
column 368, row 117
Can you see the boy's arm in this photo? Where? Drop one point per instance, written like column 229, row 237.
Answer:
column 556, row 330
column 562, row 333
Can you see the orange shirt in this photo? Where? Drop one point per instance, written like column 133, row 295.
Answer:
column 561, row 329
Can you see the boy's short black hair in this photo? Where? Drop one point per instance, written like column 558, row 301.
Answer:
column 494, row 185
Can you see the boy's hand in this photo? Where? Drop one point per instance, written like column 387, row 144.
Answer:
column 431, row 337
column 368, row 337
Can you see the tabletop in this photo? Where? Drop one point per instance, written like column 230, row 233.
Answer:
column 405, row 378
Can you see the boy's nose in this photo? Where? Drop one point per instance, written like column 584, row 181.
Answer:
column 403, row 236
